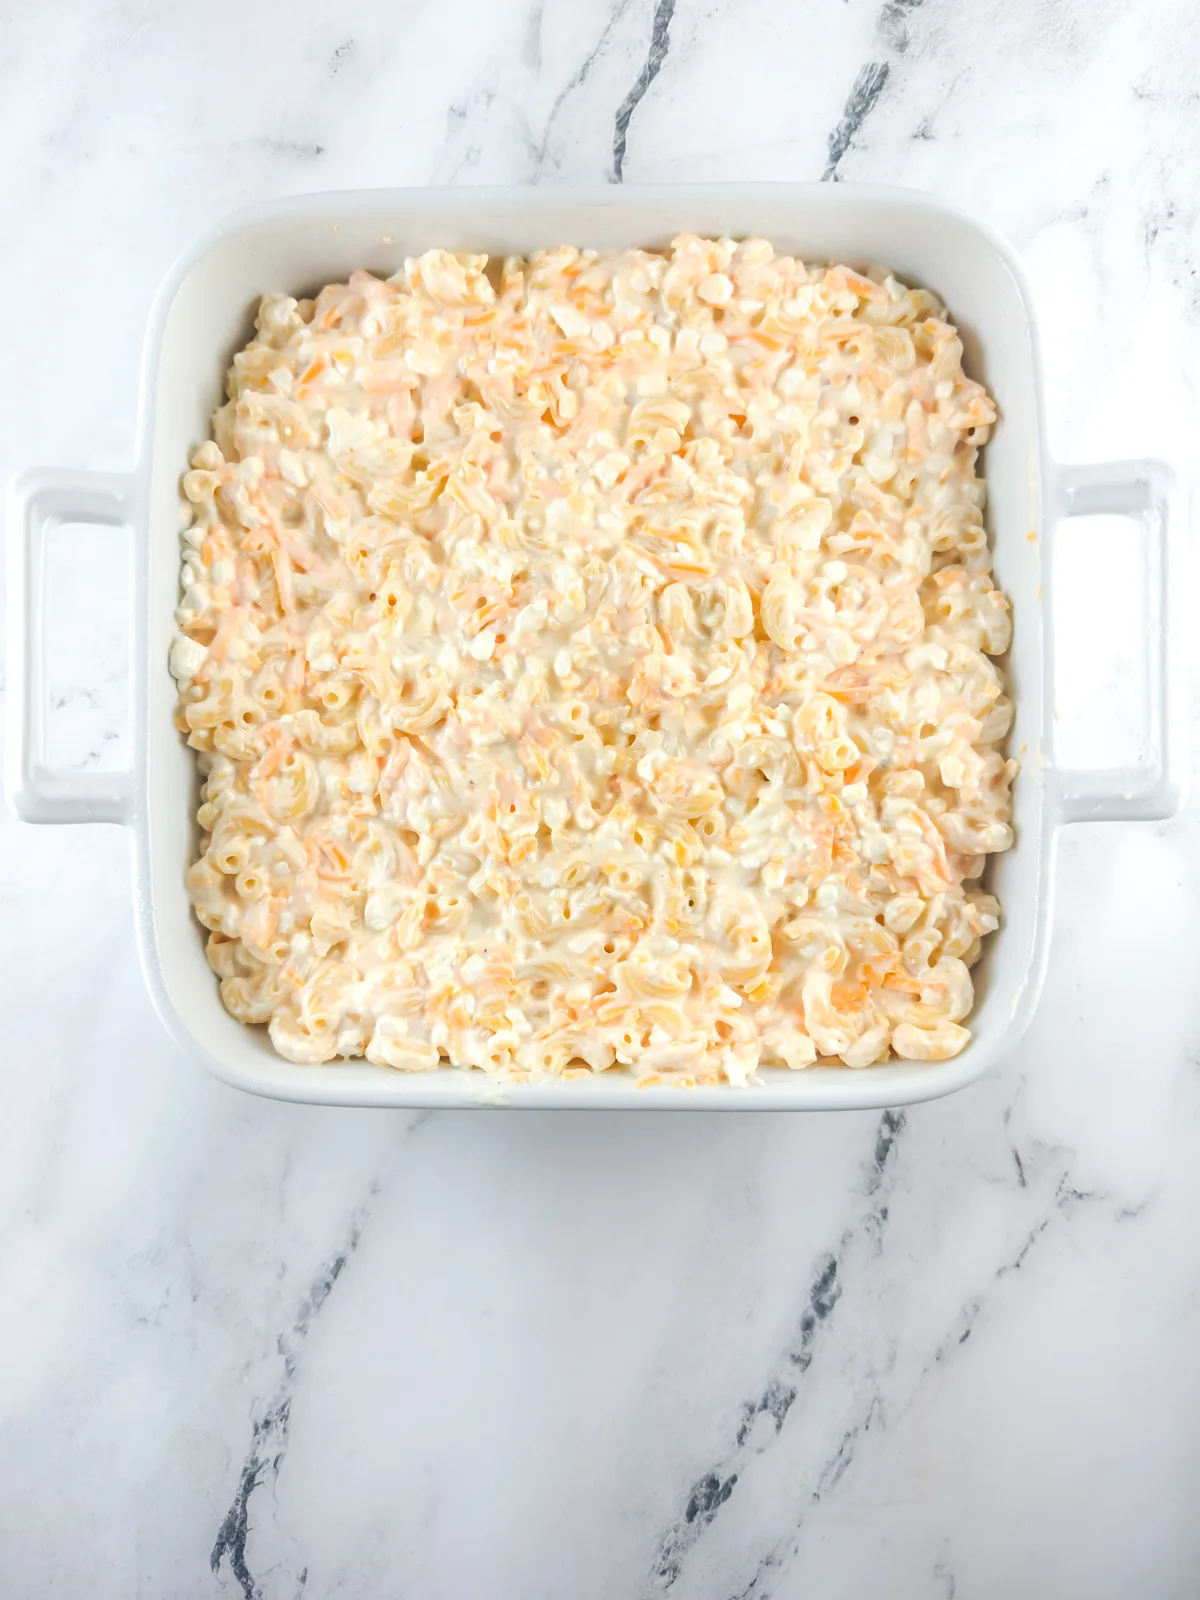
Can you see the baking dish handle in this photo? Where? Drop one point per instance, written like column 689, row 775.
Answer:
column 1150, row 789
column 40, row 500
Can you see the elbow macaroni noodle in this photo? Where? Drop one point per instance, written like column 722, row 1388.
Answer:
column 589, row 660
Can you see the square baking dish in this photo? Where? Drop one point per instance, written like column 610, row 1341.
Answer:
column 205, row 312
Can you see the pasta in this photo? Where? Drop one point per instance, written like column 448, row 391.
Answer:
column 590, row 660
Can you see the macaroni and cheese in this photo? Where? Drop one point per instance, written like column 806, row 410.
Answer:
column 590, row 660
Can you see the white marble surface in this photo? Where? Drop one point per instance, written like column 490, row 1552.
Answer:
column 252, row 1349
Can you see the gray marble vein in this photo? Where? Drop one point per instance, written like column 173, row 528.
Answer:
column 714, row 1488
column 269, row 1435
column 894, row 32
column 660, row 36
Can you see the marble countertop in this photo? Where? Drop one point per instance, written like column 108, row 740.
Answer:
column 262, row 1350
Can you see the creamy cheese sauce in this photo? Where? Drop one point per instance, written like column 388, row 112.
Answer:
column 589, row 658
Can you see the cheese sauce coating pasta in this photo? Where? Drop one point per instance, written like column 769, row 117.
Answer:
column 590, row 660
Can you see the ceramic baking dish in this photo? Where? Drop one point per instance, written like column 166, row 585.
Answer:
column 204, row 313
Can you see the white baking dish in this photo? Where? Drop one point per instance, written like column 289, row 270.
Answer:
column 203, row 315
